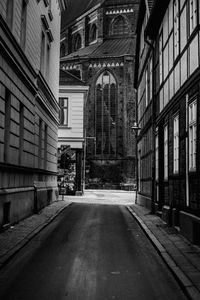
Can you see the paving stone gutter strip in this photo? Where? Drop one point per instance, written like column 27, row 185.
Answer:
column 4, row 259
column 188, row 287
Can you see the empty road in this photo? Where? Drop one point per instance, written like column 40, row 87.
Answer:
column 90, row 251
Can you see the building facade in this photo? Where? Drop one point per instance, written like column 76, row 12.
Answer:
column 71, row 137
column 97, row 44
column 144, row 85
column 29, row 80
column 173, row 32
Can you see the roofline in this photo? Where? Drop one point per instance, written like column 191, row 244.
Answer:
column 95, row 57
column 81, row 17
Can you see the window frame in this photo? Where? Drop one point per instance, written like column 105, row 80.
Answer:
column 23, row 24
column 10, row 13
column 176, row 23
column 193, row 15
column 64, row 109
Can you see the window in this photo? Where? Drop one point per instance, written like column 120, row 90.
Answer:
column 176, row 28
column 176, row 144
column 192, row 135
column 62, row 50
column 150, row 79
column 161, row 57
column 9, row 13
column 42, row 53
column 142, row 39
column 146, row 87
column 23, row 24
column 93, row 33
column 7, row 125
column 77, row 42
column 21, row 132
column 63, row 102
column 166, row 152
column 105, row 115
column 193, row 14
column 40, row 148
column 120, row 26
column 47, row 61
column 45, row 145
column 156, row 157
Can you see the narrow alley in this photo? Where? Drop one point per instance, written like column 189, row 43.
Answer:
column 91, row 251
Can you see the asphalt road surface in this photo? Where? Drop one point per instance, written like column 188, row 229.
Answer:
column 89, row 252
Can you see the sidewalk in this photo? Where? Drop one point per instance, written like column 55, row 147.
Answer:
column 17, row 236
column 179, row 254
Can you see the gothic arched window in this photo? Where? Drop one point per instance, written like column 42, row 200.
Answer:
column 120, row 26
column 62, row 50
column 93, row 33
column 77, row 42
column 105, row 115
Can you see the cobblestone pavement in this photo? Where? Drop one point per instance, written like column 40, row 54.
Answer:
column 182, row 257
column 14, row 238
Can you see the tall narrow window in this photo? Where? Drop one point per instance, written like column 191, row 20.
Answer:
column 42, row 53
column 193, row 15
column 156, row 157
column 9, row 13
column 62, row 50
column 40, row 142
column 105, row 115
column 176, row 28
column 150, row 79
column 7, row 125
column 192, row 135
column 161, row 57
column 146, row 87
column 93, row 33
column 166, row 152
column 45, row 145
column 47, row 62
column 176, row 144
column 21, row 133
column 23, row 24
column 63, row 102
column 77, row 42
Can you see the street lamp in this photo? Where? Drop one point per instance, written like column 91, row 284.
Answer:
column 136, row 127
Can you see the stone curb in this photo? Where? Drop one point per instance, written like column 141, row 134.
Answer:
column 188, row 287
column 12, row 252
